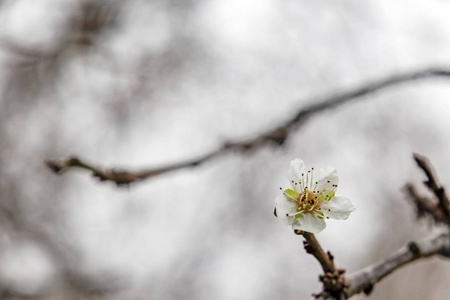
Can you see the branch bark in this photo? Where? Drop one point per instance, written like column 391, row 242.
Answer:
column 365, row 280
column 277, row 135
column 313, row 247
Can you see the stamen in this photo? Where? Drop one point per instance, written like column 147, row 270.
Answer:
column 303, row 179
column 307, row 181
column 295, row 214
column 315, row 185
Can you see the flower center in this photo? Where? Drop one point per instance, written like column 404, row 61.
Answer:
column 307, row 201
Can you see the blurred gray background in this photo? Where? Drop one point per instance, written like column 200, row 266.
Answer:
column 139, row 84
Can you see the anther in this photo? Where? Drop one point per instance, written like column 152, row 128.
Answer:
column 281, row 188
column 328, row 181
column 328, row 217
column 329, row 209
column 287, row 215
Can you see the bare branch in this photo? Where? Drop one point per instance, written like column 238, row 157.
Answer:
column 335, row 285
column 313, row 247
column 277, row 135
column 425, row 206
column 365, row 280
column 119, row 177
column 432, row 183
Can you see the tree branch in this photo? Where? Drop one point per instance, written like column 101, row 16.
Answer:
column 366, row 279
column 276, row 135
column 432, row 183
column 335, row 285
column 313, row 247
column 424, row 205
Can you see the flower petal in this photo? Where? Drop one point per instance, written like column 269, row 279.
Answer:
column 295, row 173
column 310, row 223
column 338, row 208
column 283, row 207
column 322, row 176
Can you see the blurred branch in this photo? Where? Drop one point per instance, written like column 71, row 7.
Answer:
column 85, row 25
column 439, row 207
column 119, row 177
column 364, row 280
column 424, row 205
column 432, row 183
column 277, row 135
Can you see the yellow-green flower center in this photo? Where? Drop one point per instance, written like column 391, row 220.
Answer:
column 308, row 202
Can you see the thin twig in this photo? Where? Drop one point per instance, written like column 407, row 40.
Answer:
column 119, row 177
column 313, row 247
column 432, row 183
column 365, row 280
column 277, row 135
column 424, row 205
column 335, row 285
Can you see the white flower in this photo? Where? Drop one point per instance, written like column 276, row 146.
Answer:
column 311, row 199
